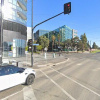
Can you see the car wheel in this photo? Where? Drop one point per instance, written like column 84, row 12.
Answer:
column 30, row 79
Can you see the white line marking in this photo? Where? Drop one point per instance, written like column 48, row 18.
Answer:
column 77, row 82
column 97, row 69
column 12, row 95
column 29, row 93
column 59, row 86
column 79, row 64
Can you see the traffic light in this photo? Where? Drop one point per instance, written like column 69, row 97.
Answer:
column 30, row 42
column 67, row 8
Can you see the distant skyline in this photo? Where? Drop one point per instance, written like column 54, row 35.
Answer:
column 84, row 16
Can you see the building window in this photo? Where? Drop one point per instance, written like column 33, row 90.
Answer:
column 14, row 2
column 10, row 1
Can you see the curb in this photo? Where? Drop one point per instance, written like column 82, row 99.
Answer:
column 52, row 64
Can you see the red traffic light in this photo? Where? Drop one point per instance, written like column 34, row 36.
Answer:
column 68, row 5
column 67, row 8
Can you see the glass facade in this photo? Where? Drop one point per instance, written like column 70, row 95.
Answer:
column 15, row 48
column 65, row 33
column 14, row 27
column 40, row 33
column 15, row 10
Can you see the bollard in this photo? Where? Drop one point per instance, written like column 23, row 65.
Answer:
column 45, row 55
column 53, row 55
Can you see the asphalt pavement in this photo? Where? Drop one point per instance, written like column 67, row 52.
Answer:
column 68, row 77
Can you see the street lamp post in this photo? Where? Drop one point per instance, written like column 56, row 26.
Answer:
column 1, row 33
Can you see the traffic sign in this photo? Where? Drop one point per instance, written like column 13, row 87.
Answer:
column 35, row 44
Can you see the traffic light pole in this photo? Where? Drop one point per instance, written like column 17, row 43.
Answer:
column 33, row 33
column 1, row 33
column 32, row 37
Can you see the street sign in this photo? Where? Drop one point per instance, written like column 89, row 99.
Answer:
column 35, row 44
column 45, row 48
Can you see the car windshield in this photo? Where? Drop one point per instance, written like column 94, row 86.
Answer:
column 21, row 69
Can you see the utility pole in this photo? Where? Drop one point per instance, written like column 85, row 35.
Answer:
column 32, row 37
column 1, row 34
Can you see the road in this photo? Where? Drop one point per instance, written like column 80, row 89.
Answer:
column 75, row 79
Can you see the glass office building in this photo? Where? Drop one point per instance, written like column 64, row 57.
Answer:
column 40, row 33
column 14, row 27
column 64, row 31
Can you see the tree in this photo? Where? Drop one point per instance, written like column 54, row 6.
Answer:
column 53, row 39
column 75, row 41
column 94, row 46
column 39, row 47
column 80, row 45
column 84, row 41
column 59, row 37
column 43, row 41
column 68, row 43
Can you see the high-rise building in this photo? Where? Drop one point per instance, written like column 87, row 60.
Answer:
column 74, row 33
column 39, row 33
column 14, row 27
column 64, row 32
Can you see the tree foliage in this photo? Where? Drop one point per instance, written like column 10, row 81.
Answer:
column 80, row 45
column 94, row 46
column 43, row 41
column 68, row 43
column 59, row 37
column 84, row 41
column 75, row 41
column 53, row 39
column 39, row 48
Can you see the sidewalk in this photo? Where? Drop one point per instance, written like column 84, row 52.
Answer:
column 39, row 60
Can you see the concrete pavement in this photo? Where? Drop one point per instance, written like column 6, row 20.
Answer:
column 39, row 60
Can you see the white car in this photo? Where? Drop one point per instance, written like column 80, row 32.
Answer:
column 12, row 75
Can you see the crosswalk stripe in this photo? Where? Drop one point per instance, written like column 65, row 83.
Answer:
column 28, row 93
column 59, row 86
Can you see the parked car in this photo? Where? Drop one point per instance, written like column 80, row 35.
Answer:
column 11, row 75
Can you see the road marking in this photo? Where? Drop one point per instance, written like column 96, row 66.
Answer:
column 76, row 82
column 29, row 93
column 62, row 62
column 97, row 69
column 12, row 95
column 59, row 86
column 79, row 64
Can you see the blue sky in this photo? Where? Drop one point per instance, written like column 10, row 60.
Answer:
column 84, row 17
